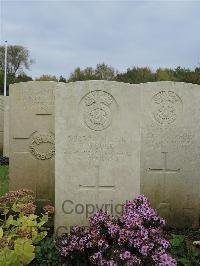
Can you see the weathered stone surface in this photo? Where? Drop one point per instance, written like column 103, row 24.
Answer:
column 1, row 122
column 32, row 144
column 97, row 148
column 6, row 127
column 170, row 156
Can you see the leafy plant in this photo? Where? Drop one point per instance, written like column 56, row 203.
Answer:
column 185, row 255
column 46, row 253
column 21, row 230
column 3, row 178
column 21, row 254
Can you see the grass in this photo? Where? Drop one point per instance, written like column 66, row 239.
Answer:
column 4, row 182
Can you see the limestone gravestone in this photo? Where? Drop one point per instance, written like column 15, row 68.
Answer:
column 97, row 127
column 1, row 122
column 170, row 155
column 32, row 143
column 6, row 127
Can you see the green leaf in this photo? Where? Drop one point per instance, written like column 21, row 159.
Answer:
column 15, row 208
column 177, row 240
column 24, row 249
column 10, row 221
column 184, row 262
column 1, row 232
column 6, row 211
column 32, row 217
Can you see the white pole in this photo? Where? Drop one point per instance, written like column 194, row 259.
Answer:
column 5, row 69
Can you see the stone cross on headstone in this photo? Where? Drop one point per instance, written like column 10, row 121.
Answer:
column 97, row 186
column 164, row 170
column 93, row 165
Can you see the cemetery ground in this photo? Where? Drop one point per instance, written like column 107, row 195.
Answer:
column 45, row 249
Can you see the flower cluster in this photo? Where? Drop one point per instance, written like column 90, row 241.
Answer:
column 24, row 232
column 26, row 208
column 49, row 208
column 5, row 242
column 134, row 238
column 21, row 195
column 18, row 201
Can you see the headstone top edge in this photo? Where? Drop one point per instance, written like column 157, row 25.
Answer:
column 32, row 83
column 168, row 82
column 94, row 82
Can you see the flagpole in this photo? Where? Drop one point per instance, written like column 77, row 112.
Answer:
column 5, row 69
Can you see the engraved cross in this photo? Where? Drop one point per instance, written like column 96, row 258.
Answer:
column 164, row 170
column 96, row 187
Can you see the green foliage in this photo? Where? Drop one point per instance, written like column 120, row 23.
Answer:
column 136, row 75
column 101, row 72
column 185, row 255
column 21, row 254
column 80, row 75
column 18, row 58
column 104, row 72
column 47, row 78
column 22, row 78
column 10, row 80
column 46, row 253
column 3, row 179
column 20, row 229
column 164, row 74
column 62, row 79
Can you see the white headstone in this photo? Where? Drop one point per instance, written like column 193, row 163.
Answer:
column 97, row 125
column 32, row 140
column 170, row 156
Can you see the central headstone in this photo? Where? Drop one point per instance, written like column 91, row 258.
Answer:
column 97, row 127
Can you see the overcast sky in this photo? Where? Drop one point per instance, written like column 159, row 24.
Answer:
column 62, row 35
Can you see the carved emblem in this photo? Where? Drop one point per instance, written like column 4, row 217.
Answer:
column 42, row 146
column 97, row 109
column 166, row 106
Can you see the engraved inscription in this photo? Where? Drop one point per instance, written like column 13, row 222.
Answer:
column 175, row 138
column 166, row 106
column 42, row 146
column 98, row 148
column 97, row 109
column 42, row 99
